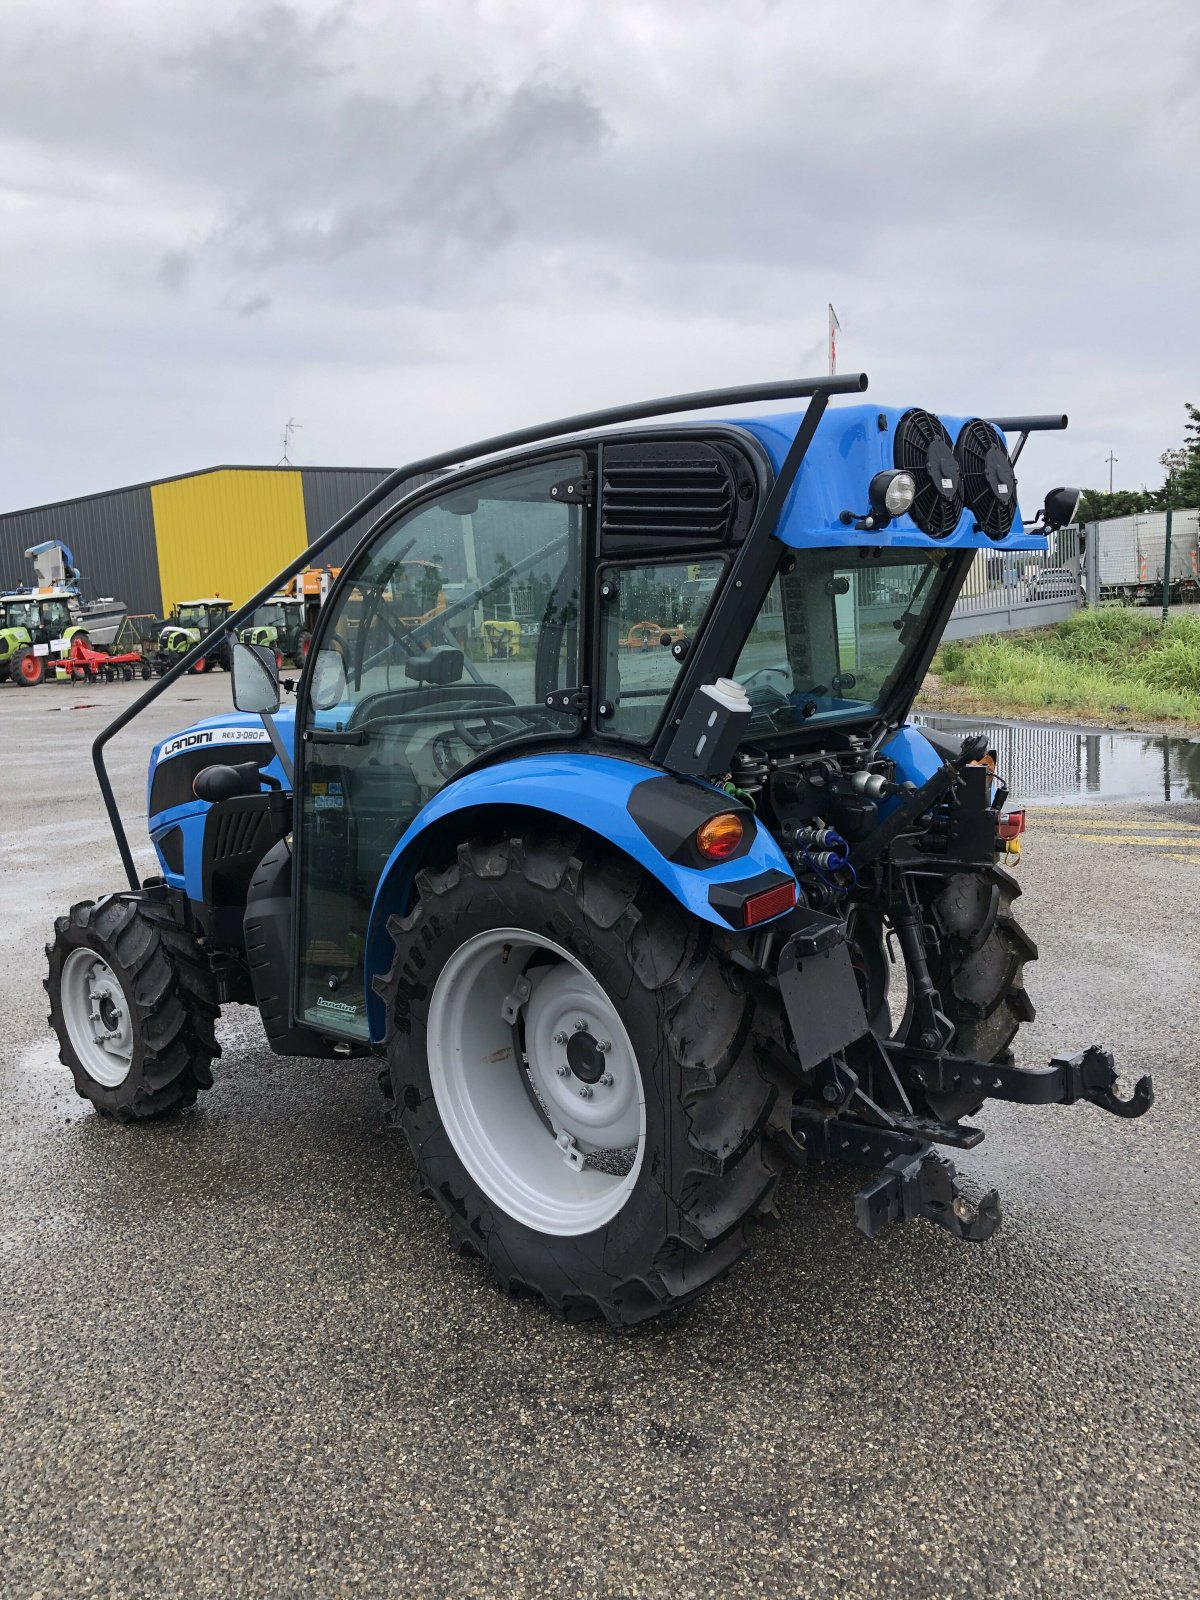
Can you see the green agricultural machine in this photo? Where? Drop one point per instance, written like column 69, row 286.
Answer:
column 190, row 622
column 283, row 625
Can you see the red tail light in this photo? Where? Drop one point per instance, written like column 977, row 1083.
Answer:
column 768, row 903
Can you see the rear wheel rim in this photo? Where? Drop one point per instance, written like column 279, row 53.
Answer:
column 97, row 1017
column 553, row 1157
column 30, row 669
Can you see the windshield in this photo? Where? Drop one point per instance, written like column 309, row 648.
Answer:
column 268, row 616
column 836, row 634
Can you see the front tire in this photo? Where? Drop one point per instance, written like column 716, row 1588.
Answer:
column 27, row 670
column 133, row 1006
column 628, row 1200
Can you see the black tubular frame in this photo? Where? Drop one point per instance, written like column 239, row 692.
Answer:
column 747, row 580
column 1027, row 425
column 816, row 390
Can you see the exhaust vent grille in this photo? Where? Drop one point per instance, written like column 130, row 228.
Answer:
column 666, row 495
column 988, row 480
column 924, row 449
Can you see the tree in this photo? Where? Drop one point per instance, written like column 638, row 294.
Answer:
column 1184, row 484
column 1097, row 504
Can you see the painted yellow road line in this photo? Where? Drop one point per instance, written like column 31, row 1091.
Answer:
column 1151, row 841
column 1170, row 829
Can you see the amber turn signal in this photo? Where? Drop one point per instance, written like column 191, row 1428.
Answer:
column 720, row 836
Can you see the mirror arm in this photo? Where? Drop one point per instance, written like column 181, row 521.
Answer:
column 277, row 744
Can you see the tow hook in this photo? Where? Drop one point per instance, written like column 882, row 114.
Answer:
column 1091, row 1075
column 914, row 1179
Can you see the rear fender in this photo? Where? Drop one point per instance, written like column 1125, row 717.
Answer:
column 590, row 791
column 916, row 759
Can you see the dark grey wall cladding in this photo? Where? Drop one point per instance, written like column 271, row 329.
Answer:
column 111, row 536
column 329, row 492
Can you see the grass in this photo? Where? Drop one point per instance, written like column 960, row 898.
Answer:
column 1117, row 661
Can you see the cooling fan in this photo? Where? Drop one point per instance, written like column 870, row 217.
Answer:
column 923, row 448
column 988, row 480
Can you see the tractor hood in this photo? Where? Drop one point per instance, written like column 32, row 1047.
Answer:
column 233, row 737
column 854, row 443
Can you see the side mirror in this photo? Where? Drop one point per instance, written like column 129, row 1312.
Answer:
column 328, row 687
column 1060, row 508
column 255, row 678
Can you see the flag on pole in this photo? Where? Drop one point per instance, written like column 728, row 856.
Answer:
column 835, row 328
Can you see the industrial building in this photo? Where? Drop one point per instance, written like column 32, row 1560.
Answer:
column 221, row 531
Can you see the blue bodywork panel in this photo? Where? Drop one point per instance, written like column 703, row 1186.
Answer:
column 590, row 790
column 232, row 737
column 848, row 449
column 916, row 759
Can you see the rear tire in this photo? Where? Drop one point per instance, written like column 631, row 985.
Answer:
column 26, row 669
column 133, row 1006
column 676, row 1217
column 978, row 970
column 983, row 990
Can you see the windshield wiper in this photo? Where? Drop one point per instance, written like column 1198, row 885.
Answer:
column 901, row 623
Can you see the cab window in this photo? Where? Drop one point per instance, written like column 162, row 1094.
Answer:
column 649, row 618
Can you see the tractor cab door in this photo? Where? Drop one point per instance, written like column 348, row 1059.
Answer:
column 406, row 687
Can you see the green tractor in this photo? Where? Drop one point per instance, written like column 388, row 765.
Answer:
column 190, row 622
column 281, row 624
column 35, row 630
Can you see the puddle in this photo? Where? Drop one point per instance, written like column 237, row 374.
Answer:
column 1041, row 762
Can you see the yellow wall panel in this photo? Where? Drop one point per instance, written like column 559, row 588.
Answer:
column 226, row 533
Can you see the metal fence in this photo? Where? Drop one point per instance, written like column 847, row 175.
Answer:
column 1009, row 589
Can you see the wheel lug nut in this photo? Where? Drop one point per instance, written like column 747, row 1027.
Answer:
column 604, row 1046
column 560, row 1037
column 606, row 1078
column 585, row 1093
column 562, row 1071
column 580, row 1024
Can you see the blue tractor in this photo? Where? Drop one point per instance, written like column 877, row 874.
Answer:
column 663, row 898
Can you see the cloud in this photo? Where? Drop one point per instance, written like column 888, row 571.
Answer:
column 466, row 214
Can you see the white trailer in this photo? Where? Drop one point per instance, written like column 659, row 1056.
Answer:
column 1131, row 554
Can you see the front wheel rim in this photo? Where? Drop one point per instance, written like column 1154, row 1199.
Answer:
column 97, row 1017
column 518, row 1030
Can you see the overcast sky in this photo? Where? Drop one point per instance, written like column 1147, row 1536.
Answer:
column 409, row 225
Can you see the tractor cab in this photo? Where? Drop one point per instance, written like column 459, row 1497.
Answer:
column 42, row 616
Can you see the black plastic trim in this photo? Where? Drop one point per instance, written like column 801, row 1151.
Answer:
column 727, row 899
column 669, row 810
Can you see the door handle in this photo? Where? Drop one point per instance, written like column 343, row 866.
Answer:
column 335, row 736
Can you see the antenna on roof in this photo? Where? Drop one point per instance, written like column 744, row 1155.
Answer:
column 835, row 328
column 289, row 429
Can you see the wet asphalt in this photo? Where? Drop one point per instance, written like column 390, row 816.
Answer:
column 238, row 1359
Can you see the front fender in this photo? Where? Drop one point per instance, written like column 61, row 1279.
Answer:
column 12, row 640
column 589, row 790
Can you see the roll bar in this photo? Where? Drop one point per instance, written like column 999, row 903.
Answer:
column 639, row 411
